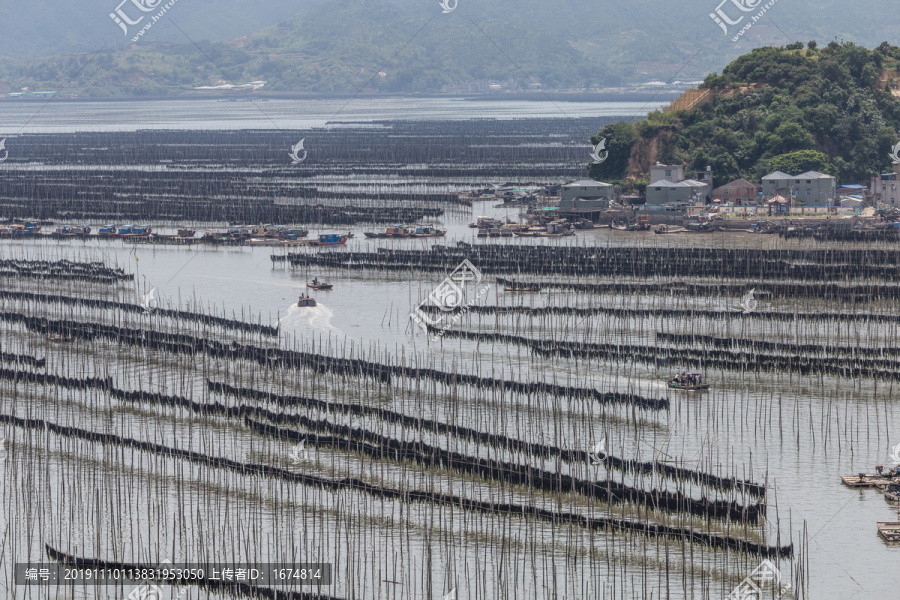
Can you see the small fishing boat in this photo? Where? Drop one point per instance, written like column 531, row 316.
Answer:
column 669, row 229
column 545, row 234
column 394, row 231
column 70, row 231
column 552, row 230
column 584, row 224
column 689, row 383
column 291, row 234
column 319, row 285
column 698, row 227
column 306, row 302
column 486, row 223
column 329, row 239
column 215, row 236
column 643, row 223
column 892, row 492
column 688, row 388
column 522, row 287
column 107, row 231
column 136, row 231
column 401, row 232
column 427, row 231
column 28, row 229
column 183, row 235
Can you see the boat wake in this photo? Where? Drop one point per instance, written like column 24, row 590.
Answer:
column 316, row 318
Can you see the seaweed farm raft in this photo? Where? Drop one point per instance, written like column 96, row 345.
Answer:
column 206, row 365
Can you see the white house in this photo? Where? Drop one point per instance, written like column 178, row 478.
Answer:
column 807, row 189
column 689, row 191
column 661, row 172
column 587, row 195
column 884, row 189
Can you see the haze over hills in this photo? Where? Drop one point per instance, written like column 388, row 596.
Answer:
column 85, row 26
column 403, row 45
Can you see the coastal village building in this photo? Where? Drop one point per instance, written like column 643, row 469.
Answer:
column 739, row 192
column 884, row 189
column 851, row 202
column 689, row 191
column 807, row 189
column 586, row 195
column 668, row 185
column 661, row 172
column 706, row 177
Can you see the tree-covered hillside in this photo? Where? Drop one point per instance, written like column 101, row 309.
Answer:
column 792, row 109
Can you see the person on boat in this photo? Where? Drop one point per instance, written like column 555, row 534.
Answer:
column 879, row 469
column 700, row 379
column 315, row 281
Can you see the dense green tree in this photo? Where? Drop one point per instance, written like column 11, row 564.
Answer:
column 620, row 137
column 801, row 161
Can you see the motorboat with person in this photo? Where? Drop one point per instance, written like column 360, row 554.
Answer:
column 688, row 382
column 306, row 301
column 319, row 285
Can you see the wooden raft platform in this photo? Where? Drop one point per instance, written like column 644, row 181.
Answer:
column 889, row 530
column 866, row 480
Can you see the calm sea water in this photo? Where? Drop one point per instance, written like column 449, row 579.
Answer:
column 66, row 117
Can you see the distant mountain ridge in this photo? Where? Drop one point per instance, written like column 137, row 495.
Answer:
column 399, row 45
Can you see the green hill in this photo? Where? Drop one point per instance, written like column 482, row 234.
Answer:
column 833, row 109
